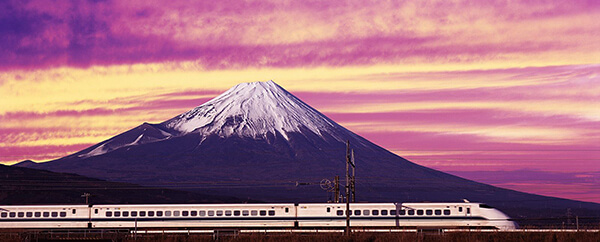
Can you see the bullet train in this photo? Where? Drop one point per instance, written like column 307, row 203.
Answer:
column 275, row 216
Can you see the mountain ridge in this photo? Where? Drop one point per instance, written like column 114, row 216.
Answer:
column 258, row 141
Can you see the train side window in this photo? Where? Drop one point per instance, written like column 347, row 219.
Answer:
column 185, row 213
column 108, row 214
column 446, row 211
column 356, row 212
column 63, row 214
column 117, row 214
column 176, row 213
column 142, row 213
column 420, row 212
column 125, row 213
column 37, row 214
column 253, row 212
column 194, row 213
column 349, row 212
column 468, row 210
column 12, row 214
column 227, row 212
column 411, row 212
column 245, row 213
column 54, row 214
column 366, row 212
column 150, row 213
column 20, row 214
column 375, row 212
column 287, row 210
column 329, row 210
column 3, row 215
column 263, row 212
column 168, row 213
column 236, row 213
column 96, row 211
column 46, row 214
column 428, row 212
column 383, row 212
column 134, row 213
column 219, row 212
column 392, row 212
column 402, row 212
column 438, row 212
column 271, row 212
column 460, row 209
column 340, row 212
column 74, row 211
column 211, row 213
column 159, row 213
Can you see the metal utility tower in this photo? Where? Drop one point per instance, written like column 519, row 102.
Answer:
column 349, row 181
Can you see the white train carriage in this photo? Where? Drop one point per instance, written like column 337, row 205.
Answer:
column 194, row 216
column 47, row 216
column 406, row 215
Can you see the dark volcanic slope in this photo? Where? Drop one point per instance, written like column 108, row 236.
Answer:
column 257, row 141
column 30, row 186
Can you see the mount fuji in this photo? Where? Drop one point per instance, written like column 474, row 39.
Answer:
column 258, row 141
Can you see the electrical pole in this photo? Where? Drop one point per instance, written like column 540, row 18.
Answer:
column 350, row 183
column 336, row 187
column 87, row 196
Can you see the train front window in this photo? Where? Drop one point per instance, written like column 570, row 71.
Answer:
column 485, row 206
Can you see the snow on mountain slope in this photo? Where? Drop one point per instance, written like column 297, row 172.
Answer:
column 253, row 110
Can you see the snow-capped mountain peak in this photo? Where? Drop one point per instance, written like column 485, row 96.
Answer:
column 252, row 110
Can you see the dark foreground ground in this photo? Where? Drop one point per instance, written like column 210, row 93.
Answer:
column 335, row 237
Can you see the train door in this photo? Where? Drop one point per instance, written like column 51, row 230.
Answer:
column 468, row 210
